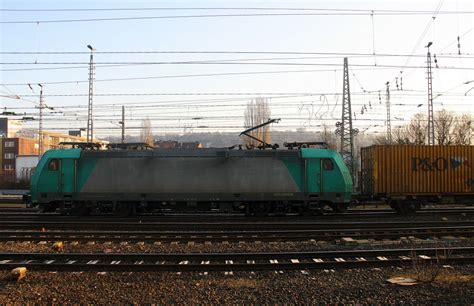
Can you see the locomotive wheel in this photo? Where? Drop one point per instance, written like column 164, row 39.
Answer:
column 261, row 209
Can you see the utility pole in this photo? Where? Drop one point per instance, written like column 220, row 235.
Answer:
column 40, row 127
column 123, row 124
column 431, row 136
column 389, row 122
column 90, row 126
column 344, row 128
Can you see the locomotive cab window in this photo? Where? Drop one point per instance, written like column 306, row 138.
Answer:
column 327, row 164
column 53, row 165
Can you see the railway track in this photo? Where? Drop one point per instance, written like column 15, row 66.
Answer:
column 234, row 261
column 237, row 236
column 217, row 225
column 27, row 212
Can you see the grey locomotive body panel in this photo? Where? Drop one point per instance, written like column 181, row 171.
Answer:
column 189, row 174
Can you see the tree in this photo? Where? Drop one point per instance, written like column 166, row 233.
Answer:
column 382, row 140
column 449, row 127
column 463, row 130
column 146, row 133
column 400, row 135
column 417, row 130
column 444, row 126
column 257, row 112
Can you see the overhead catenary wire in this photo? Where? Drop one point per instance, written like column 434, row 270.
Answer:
column 229, row 9
column 241, row 52
column 319, row 13
column 420, row 40
column 182, row 76
column 254, row 94
column 363, row 13
column 242, row 73
column 235, row 63
column 202, row 107
column 210, row 61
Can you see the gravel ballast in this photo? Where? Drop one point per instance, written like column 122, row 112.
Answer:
column 455, row 285
column 249, row 246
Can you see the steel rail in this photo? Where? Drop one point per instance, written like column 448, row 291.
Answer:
column 257, row 225
column 225, row 261
column 25, row 212
column 201, row 236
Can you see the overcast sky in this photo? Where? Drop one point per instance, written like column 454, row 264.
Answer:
column 294, row 59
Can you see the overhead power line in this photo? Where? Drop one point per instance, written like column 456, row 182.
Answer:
column 361, row 13
column 234, row 63
column 185, row 110
column 201, row 62
column 340, row 54
column 251, row 94
column 228, row 9
column 192, row 75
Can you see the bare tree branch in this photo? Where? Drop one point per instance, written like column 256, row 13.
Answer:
column 146, row 133
column 328, row 136
column 257, row 112
column 463, row 130
column 417, row 129
column 444, row 126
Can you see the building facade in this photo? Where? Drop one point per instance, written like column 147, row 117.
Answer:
column 19, row 155
column 11, row 148
column 9, row 128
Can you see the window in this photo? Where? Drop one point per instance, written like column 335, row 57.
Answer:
column 9, row 156
column 53, row 165
column 327, row 164
column 9, row 144
column 9, row 167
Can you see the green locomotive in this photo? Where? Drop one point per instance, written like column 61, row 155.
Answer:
column 255, row 182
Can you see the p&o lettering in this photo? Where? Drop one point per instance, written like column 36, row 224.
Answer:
column 426, row 164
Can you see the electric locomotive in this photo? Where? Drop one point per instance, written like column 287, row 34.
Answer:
column 298, row 179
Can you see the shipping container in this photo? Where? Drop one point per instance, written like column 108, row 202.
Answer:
column 417, row 171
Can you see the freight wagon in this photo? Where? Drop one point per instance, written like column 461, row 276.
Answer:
column 255, row 182
column 408, row 176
